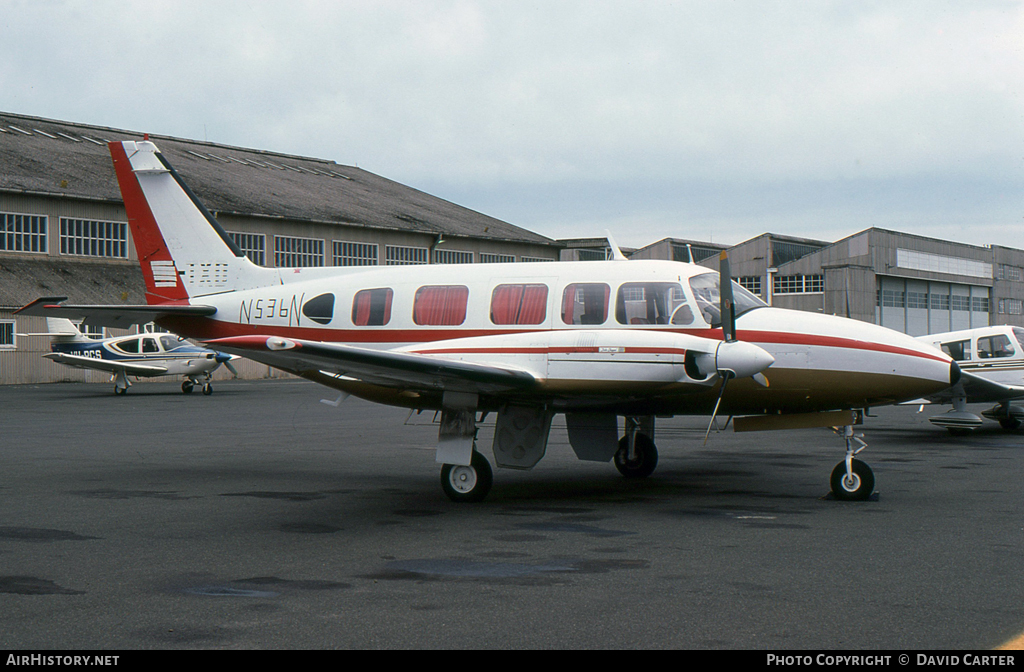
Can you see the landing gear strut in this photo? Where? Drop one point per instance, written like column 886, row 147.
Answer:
column 852, row 480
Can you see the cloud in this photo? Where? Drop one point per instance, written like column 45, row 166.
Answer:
column 558, row 115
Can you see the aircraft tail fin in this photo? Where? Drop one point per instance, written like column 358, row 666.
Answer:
column 183, row 251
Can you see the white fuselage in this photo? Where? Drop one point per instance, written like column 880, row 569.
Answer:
column 626, row 346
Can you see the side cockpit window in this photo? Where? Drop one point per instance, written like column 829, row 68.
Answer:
column 585, row 303
column 995, row 346
column 648, row 302
column 131, row 346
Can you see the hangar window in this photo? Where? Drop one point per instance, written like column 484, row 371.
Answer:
column 372, row 307
column 23, row 233
column 452, row 257
column 6, row 334
column 519, row 304
column 397, row 255
column 489, row 258
column 93, row 239
column 440, row 305
column 585, row 303
column 355, row 254
column 648, row 302
column 253, row 245
column 293, row 252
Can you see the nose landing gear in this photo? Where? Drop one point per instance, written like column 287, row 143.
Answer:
column 852, row 479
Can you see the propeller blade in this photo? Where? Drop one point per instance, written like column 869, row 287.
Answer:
column 714, row 414
column 231, row 368
column 727, row 303
column 760, row 379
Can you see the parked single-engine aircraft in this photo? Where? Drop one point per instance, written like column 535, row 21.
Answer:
column 992, row 362
column 141, row 355
column 592, row 340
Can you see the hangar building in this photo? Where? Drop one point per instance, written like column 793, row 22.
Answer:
column 909, row 283
column 63, row 229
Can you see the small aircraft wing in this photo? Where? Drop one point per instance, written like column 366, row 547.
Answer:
column 119, row 317
column 129, row 368
column 977, row 389
column 382, row 367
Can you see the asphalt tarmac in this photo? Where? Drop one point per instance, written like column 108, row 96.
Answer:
column 259, row 517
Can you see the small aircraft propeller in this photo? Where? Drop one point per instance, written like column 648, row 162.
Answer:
column 733, row 358
column 225, row 359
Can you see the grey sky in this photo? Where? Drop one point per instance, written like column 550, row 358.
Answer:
column 701, row 120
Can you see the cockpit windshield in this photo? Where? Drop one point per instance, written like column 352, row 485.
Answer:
column 1019, row 333
column 705, row 291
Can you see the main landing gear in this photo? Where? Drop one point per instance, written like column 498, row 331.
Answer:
column 637, row 456
column 189, row 383
column 852, row 480
column 467, row 483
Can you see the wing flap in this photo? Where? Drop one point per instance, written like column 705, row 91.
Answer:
column 382, row 367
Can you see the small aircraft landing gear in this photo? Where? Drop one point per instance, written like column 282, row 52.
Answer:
column 467, row 483
column 852, row 480
column 120, row 390
column 207, row 389
column 640, row 459
column 186, row 387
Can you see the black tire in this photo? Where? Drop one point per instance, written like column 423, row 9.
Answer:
column 861, row 487
column 1009, row 423
column 646, row 457
column 120, row 390
column 467, row 484
column 186, row 387
column 208, row 389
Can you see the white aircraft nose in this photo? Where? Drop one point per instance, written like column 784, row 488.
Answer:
column 742, row 359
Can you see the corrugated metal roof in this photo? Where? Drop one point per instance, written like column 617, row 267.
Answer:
column 26, row 279
column 58, row 158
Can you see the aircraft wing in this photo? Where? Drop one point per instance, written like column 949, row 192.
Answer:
column 129, row 368
column 978, row 389
column 381, row 367
column 119, row 317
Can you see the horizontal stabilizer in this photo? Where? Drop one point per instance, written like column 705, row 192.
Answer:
column 120, row 317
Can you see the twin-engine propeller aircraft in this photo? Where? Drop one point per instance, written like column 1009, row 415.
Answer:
column 992, row 362
column 593, row 341
column 141, row 356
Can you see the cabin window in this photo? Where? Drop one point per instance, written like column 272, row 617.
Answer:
column 585, row 303
column 130, row 346
column 519, row 304
column 648, row 302
column 995, row 346
column 959, row 350
column 440, row 305
column 372, row 307
column 149, row 345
